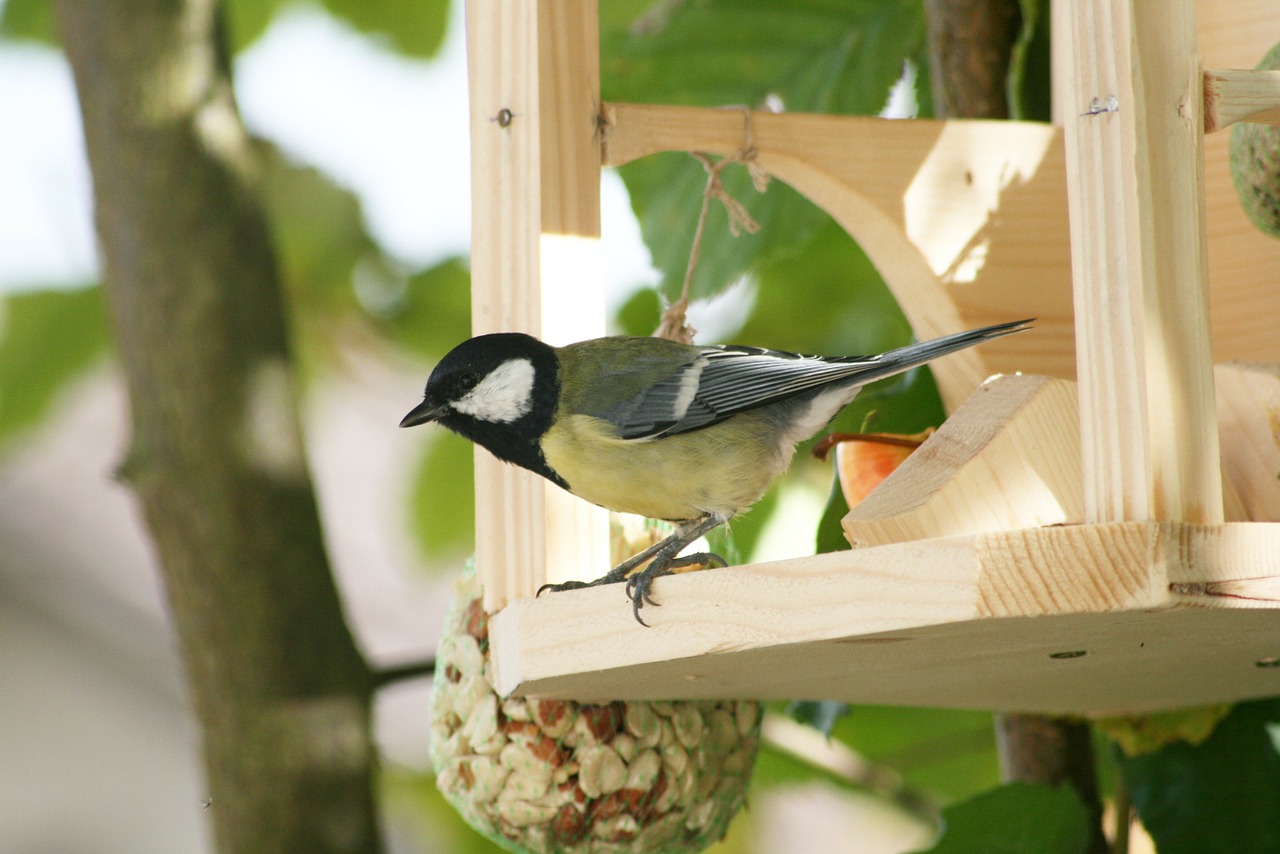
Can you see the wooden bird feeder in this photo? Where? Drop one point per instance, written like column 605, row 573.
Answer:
column 1098, row 534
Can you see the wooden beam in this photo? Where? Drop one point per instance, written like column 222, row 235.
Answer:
column 1134, row 130
column 534, row 78
column 1008, row 458
column 1232, row 96
column 1077, row 619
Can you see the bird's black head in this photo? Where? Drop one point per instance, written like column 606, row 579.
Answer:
column 500, row 391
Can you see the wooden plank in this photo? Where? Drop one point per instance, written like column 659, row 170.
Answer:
column 1232, row 96
column 1076, row 619
column 957, row 216
column 534, row 80
column 1133, row 134
column 1008, row 458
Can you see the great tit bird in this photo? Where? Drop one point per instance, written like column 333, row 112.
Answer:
column 690, row 434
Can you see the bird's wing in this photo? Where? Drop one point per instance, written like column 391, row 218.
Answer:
column 724, row 380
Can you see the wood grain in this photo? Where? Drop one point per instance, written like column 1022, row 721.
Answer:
column 1135, row 190
column 534, row 77
column 1008, row 458
column 992, row 621
column 1232, row 96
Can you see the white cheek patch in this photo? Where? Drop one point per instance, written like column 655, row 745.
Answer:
column 505, row 395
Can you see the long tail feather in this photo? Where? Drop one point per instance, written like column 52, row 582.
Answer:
column 906, row 358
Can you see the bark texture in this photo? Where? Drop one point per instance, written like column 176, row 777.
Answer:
column 216, row 460
column 1053, row 751
column 970, row 42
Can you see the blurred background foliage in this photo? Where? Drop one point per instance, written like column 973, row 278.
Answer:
column 799, row 283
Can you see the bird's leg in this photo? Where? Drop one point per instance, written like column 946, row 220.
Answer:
column 662, row 558
column 618, row 573
column 665, row 559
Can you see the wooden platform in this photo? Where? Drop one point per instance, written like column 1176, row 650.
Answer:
column 1108, row 619
column 1095, row 550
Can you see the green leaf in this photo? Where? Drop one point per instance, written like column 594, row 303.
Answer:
column 430, row 312
column 618, row 17
column 247, row 20
column 442, row 501
column 416, row 29
column 745, row 530
column 1019, row 818
column 29, row 20
column 830, row 536
column 639, row 315
column 318, row 229
column 825, row 297
column 947, row 752
column 47, row 338
column 1028, row 84
column 819, row 714
column 1220, row 796
column 1135, row 734
column 666, row 195
column 814, row 56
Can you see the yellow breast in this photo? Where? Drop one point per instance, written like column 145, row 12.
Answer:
column 722, row 469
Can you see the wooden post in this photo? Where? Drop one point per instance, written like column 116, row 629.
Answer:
column 534, row 78
column 1133, row 117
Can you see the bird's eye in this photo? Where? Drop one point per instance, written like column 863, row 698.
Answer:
column 466, row 382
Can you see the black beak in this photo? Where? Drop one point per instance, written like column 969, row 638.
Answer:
column 423, row 413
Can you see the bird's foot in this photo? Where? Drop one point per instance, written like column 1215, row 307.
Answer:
column 611, row 577
column 657, row 560
column 640, row 583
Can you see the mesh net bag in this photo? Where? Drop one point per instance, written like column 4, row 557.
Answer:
column 545, row 776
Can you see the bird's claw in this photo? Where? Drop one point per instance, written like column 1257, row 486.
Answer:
column 564, row 585
column 639, row 583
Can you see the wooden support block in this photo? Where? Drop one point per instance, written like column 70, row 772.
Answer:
column 1232, row 96
column 1134, row 128
column 1008, row 458
column 534, row 76
column 1076, row 619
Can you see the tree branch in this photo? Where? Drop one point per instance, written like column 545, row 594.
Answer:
column 1036, row 749
column 216, row 460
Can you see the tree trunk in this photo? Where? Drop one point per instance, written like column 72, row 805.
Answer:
column 279, row 688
